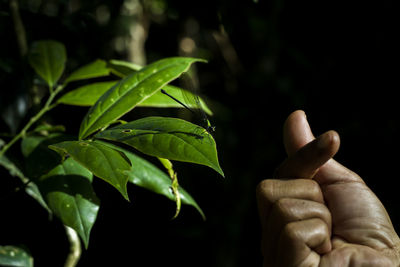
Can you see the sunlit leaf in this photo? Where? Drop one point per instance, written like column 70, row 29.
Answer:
column 95, row 69
column 131, row 91
column 168, row 138
column 86, row 95
column 69, row 194
column 103, row 161
column 15, row 257
column 48, row 59
column 122, row 68
column 147, row 175
column 158, row 100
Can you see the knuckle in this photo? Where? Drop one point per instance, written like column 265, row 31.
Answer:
column 290, row 231
column 265, row 190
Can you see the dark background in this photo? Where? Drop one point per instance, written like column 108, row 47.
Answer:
column 336, row 60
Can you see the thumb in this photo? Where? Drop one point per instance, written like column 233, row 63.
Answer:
column 297, row 134
column 305, row 162
column 306, row 154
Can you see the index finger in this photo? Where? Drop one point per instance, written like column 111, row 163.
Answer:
column 305, row 162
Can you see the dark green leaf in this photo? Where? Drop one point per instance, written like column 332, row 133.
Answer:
column 131, row 91
column 103, row 161
column 168, row 138
column 30, row 188
column 48, row 59
column 86, row 95
column 39, row 159
column 147, row 175
column 15, row 257
column 69, row 194
column 95, row 69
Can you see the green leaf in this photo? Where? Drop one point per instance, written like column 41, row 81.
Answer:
column 48, row 59
column 15, row 257
column 86, row 95
column 122, row 68
column 145, row 174
column 30, row 188
column 131, row 91
column 160, row 100
column 103, row 161
column 39, row 159
column 69, row 194
column 168, row 138
column 95, row 69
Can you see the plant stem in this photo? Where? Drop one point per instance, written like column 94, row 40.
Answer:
column 75, row 247
column 48, row 106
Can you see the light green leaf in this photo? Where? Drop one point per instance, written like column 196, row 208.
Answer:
column 48, row 59
column 15, row 257
column 86, row 95
column 122, row 68
column 169, row 138
column 144, row 174
column 103, row 161
column 95, row 69
column 160, row 100
column 131, row 91
column 69, row 194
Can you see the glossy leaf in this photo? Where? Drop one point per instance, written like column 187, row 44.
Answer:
column 158, row 100
column 69, row 194
column 95, row 69
column 86, row 95
column 122, row 68
column 131, row 91
column 147, row 175
column 103, row 161
column 48, row 59
column 15, row 257
column 168, row 138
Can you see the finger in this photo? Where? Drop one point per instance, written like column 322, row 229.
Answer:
column 285, row 211
column 296, row 132
column 269, row 191
column 301, row 243
column 305, row 162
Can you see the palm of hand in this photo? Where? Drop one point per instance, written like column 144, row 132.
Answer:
column 362, row 233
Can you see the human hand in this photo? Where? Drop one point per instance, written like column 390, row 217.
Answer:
column 316, row 212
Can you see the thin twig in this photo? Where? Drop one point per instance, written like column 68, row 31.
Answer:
column 48, row 106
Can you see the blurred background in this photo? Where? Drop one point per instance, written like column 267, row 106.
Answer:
column 337, row 60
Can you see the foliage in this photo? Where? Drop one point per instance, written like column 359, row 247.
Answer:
column 59, row 169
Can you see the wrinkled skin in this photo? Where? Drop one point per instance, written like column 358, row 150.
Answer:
column 316, row 212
